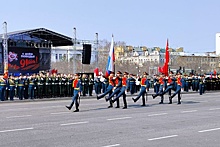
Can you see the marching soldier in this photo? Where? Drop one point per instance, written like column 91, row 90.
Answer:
column 178, row 89
column 76, row 93
column 131, row 83
column 144, row 84
column 117, row 88
column 162, row 86
column 109, row 89
column 123, row 91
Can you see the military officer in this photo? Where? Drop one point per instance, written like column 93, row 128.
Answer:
column 162, row 86
column 109, row 89
column 178, row 89
column 11, row 87
column 76, row 93
column 91, row 83
column 123, row 90
column 144, row 84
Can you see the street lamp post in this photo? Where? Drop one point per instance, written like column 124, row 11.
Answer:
column 5, row 48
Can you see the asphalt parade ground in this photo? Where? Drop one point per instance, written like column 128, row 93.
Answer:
column 194, row 123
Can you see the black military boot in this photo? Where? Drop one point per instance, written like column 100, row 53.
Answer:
column 125, row 102
column 179, row 102
column 143, row 101
column 70, row 106
column 110, row 104
column 154, row 96
column 135, row 100
column 77, row 107
column 118, row 104
column 161, row 102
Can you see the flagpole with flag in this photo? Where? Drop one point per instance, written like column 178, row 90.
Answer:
column 111, row 59
column 164, row 69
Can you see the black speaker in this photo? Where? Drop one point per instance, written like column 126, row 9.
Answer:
column 86, row 54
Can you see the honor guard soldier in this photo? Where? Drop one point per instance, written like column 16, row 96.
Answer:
column 117, row 88
column 76, row 93
column 178, row 89
column 201, row 84
column 48, row 82
column 144, row 84
column 105, row 83
column 123, row 90
column 91, row 83
column 40, row 85
column 20, row 87
column 53, row 85
column 85, row 83
column 170, row 85
column 31, row 87
column 11, row 87
column 156, row 83
column 186, row 83
column 97, row 83
column 2, row 87
column 131, row 84
column 109, row 88
column 162, row 86
column 69, row 85
column 25, row 87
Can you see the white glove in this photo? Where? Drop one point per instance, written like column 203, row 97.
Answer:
column 126, row 92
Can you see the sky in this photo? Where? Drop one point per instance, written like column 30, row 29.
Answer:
column 191, row 24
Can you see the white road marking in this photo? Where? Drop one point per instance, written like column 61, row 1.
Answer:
column 164, row 137
column 119, row 118
column 189, row 111
column 203, row 101
column 59, row 113
column 14, row 130
column 214, row 109
column 75, row 123
column 157, row 114
column 112, row 145
column 19, row 116
column 209, row 130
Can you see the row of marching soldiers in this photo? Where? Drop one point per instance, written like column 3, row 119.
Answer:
column 178, row 83
column 119, row 85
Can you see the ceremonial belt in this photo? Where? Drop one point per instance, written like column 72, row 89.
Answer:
column 76, row 88
column 11, row 85
column 143, row 85
column 132, row 81
column 123, row 85
column 31, row 83
column 20, row 84
column 2, row 84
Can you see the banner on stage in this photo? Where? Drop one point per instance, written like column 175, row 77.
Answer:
column 23, row 60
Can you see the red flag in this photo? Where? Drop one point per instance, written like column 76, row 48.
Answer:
column 96, row 72
column 167, row 53
column 160, row 69
column 214, row 72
